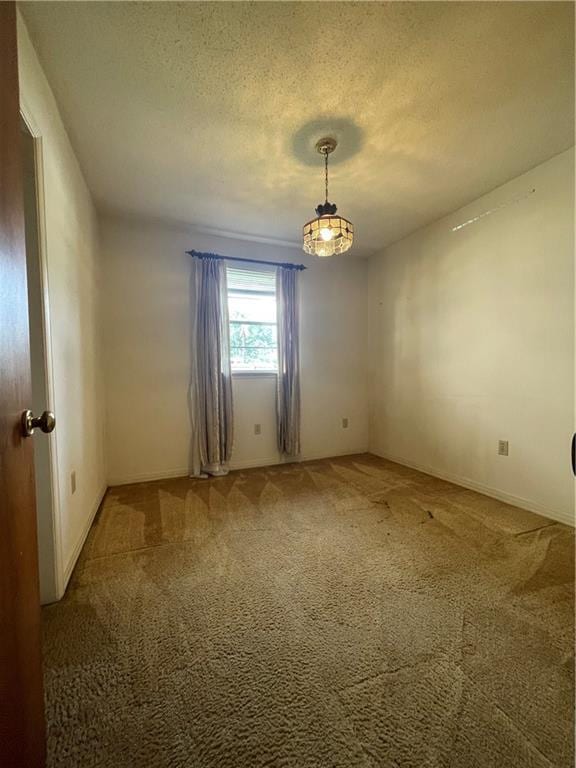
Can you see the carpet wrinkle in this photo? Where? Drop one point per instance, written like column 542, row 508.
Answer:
column 506, row 668
column 552, row 607
column 313, row 615
column 411, row 713
column 534, row 530
column 552, row 562
column 422, row 661
column 484, row 737
column 522, row 735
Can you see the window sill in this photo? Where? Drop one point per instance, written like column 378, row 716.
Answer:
column 254, row 374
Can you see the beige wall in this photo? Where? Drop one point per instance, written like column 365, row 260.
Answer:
column 70, row 263
column 147, row 351
column 472, row 341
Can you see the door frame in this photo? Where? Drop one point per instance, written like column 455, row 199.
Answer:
column 57, row 588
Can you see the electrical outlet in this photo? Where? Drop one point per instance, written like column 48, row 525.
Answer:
column 344, row 423
column 257, row 429
column 73, row 481
column 502, row 447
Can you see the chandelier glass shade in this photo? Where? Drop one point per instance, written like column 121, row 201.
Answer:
column 328, row 233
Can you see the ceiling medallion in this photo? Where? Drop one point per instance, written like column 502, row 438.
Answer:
column 327, row 234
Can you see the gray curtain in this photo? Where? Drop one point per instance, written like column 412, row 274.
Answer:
column 211, row 407
column 288, row 399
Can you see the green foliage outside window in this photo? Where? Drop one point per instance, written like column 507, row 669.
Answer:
column 253, row 345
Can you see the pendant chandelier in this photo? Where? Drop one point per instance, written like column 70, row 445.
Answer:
column 328, row 233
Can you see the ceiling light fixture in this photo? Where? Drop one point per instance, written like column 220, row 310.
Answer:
column 327, row 234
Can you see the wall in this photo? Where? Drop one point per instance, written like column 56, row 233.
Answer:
column 148, row 347
column 69, row 256
column 472, row 341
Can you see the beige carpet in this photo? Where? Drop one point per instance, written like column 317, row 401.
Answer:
column 339, row 613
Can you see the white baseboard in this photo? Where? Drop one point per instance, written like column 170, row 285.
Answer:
column 147, row 477
column 333, row 454
column 81, row 540
column 495, row 493
column 265, row 461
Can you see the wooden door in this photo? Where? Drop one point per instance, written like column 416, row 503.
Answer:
column 22, row 729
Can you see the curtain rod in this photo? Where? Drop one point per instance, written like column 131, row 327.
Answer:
column 200, row 255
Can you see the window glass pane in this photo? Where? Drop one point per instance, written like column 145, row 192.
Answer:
column 252, row 335
column 261, row 308
column 253, row 359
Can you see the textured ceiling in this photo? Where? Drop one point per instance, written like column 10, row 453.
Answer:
column 207, row 113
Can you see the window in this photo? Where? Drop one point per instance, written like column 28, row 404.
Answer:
column 252, row 314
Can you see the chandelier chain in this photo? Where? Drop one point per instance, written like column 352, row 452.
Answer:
column 328, row 233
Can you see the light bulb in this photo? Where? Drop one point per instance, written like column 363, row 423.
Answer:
column 326, row 233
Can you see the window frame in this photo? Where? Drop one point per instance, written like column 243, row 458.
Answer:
column 255, row 373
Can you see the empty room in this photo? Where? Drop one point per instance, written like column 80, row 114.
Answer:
column 287, row 402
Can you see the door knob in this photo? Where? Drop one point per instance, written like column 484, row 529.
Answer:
column 46, row 422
